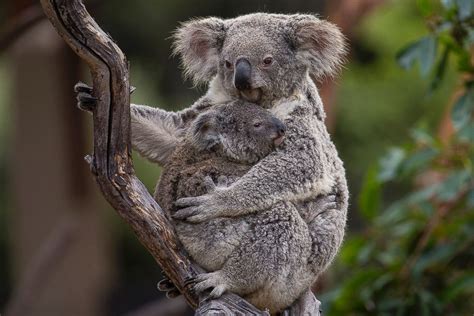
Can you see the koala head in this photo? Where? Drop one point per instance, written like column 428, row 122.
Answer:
column 239, row 130
column 259, row 57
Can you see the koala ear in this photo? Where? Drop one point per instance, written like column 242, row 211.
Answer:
column 319, row 44
column 203, row 131
column 198, row 42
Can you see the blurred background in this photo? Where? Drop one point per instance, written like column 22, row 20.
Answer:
column 400, row 113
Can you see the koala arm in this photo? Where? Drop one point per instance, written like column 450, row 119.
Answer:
column 297, row 171
column 156, row 132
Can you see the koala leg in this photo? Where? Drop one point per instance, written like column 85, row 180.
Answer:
column 327, row 233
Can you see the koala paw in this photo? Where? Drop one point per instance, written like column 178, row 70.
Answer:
column 211, row 280
column 202, row 208
column 85, row 100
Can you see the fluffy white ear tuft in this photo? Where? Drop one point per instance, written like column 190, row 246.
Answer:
column 319, row 44
column 198, row 43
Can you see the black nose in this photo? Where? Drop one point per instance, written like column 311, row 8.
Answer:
column 280, row 127
column 243, row 71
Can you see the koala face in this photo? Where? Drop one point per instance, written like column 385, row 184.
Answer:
column 240, row 131
column 259, row 57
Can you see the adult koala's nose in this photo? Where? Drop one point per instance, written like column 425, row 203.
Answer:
column 242, row 75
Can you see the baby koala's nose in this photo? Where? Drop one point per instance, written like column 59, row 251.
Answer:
column 280, row 127
column 280, row 132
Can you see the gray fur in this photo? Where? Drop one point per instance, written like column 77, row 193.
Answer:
column 262, row 257
column 307, row 165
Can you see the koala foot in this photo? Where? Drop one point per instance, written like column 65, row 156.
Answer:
column 211, row 280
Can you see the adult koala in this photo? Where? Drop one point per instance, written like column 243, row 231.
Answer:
column 265, row 59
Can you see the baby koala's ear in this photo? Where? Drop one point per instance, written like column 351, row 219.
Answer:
column 203, row 131
column 319, row 44
column 198, row 42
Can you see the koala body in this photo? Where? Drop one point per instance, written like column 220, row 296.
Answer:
column 267, row 59
column 262, row 257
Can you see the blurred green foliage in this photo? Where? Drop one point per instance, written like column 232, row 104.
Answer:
column 416, row 257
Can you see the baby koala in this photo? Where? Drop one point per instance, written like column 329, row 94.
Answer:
column 261, row 256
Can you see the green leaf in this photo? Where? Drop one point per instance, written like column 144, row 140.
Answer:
column 466, row 133
column 419, row 160
column 465, row 9
column 453, row 185
column 436, row 256
column 422, row 137
column 390, row 164
column 462, row 110
column 447, row 3
column 422, row 195
column 425, row 7
column 440, row 69
column 463, row 284
column 369, row 198
column 423, row 51
column 470, row 198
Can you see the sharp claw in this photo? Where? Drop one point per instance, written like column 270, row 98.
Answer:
column 173, row 294
column 82, row 87
column 184, row 202
column 166, row 285
column 132, row 89
column 190, row 281
column 184, row 213
column 85, row 97
column 209, row 184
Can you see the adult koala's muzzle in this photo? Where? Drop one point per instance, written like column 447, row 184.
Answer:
column 243, row 81
column 242, row 75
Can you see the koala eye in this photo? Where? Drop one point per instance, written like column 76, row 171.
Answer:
column 257, row 124
column 228, row 64
column 267, row 61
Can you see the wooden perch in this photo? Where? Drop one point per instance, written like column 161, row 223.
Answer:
column 112, row 165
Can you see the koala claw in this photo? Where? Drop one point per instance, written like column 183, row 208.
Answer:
column 184, row 213
column 210, row 280
column 167, row 286
column 85, row 100
column 323, row 203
